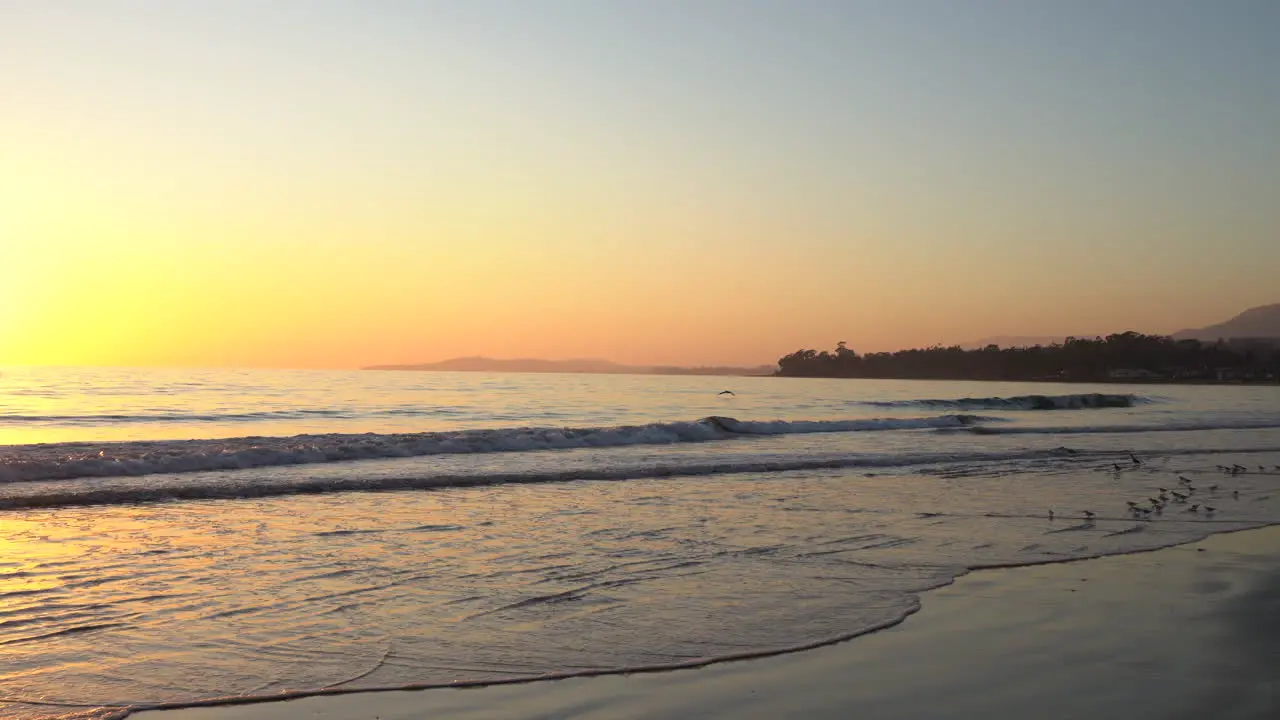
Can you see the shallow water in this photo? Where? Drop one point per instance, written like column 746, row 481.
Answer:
column 675, row 549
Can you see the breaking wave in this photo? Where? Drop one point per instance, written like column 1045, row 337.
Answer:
column 1081, row 401
column 1187, row 426
column 61, row 461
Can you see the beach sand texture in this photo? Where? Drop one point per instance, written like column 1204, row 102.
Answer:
column 1186, row 632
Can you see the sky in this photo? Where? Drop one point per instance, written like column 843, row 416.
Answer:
column 325, row 183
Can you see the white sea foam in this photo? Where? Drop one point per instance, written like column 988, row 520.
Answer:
column 20, row 463
column 69, row 460
column 318, row 595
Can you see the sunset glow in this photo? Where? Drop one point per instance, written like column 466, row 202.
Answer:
column 338, row 185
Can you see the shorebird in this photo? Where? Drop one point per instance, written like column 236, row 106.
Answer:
column 1088, row 515
column 1184, row 480
column 1050, row 514
column 1239, row 468
column 1210, row 509
column 1190, row 489
column 1135, row 459
column 1117, row 467
column 1213, row 488
column 1235, row 494
column 725, row 392
column 1193, row 508
column 1275, row 467
column 1261, row 469
column 1132, row 505
column 1179, row 497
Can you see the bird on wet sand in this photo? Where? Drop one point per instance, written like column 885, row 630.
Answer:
column 1210, row 509
column 1088, row 515
column 1235, row 494
column 1050, row 514
column 1135, row 459
column 1194, row 508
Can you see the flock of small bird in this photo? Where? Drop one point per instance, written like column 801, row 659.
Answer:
column 1182, row 495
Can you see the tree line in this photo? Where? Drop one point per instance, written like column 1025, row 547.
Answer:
column 1126, row 356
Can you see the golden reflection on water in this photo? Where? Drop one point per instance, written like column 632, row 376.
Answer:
column 188, row 600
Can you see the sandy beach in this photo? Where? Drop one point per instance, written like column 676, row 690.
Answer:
column 1185, row 632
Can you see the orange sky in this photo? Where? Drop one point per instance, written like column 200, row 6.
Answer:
column 384, row 183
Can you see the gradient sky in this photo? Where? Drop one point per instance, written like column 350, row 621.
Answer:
column 315, row 183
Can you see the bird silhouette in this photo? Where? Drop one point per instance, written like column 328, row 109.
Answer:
column 725, row 392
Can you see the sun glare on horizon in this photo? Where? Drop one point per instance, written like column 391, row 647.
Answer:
column 289, row 185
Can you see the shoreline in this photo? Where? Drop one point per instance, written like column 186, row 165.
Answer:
column 1047, row 381
column 353, row 703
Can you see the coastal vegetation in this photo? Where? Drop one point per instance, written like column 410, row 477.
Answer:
column 1128, row 356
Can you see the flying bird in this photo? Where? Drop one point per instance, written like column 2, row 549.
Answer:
column 726, row 392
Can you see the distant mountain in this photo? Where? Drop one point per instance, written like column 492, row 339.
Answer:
column 1259, row 322
column 578, row 365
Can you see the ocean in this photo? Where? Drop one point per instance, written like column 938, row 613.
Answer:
column 173, row 537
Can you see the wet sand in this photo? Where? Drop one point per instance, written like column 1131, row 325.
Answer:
column 1185, row 632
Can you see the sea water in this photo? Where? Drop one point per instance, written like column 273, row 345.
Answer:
column 170, row 537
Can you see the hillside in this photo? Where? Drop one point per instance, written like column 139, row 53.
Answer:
column 1259, row 322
